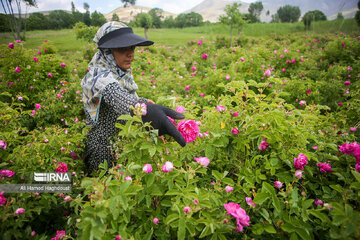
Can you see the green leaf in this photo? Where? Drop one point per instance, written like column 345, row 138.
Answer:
column 319, row 215
column 307, row 203
column 149, row 234
column 270, row 229
column 287, row 227
column 276, row 204
column 269, row 188
column 149, row 178
column 258, row 229
column 181, row 231
column 216, row 174
column 356, row 175
column 337, row 188
column 206, row 231
column 303, row 233
column 170, row 218
column 261, row 197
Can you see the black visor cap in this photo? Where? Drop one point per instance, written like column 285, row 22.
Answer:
column 122, row 37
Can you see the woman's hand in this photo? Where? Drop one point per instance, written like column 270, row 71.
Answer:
column 150, row 101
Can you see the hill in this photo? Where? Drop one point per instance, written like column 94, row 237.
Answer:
column 126, row 14
column 212, row 9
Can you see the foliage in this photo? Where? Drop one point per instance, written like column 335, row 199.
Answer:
column 255, row 10
column 310, row 16
column 144, row 20
column 357, row 15
column 84, row 32
column 289, row 13
column 339, row 16
column 156, row 15
column 16, row 23
column 115, row 17
column 188, row 20
column 283, row 90
column 128, row 2
column 233, row 18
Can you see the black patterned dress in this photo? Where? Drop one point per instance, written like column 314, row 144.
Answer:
column 115, row 102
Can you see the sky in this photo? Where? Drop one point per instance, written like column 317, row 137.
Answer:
column 106, row 6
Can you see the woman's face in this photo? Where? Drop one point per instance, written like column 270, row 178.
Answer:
column 124, row 56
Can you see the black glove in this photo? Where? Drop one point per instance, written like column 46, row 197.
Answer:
column 157, row 116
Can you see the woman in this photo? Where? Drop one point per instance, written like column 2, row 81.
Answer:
column 109, row 90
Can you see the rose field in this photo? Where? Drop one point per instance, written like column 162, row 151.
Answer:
column 273, row 142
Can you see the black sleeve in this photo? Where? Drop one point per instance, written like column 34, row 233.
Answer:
column 119, row 98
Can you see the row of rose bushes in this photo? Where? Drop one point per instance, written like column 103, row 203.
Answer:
column 264, row 161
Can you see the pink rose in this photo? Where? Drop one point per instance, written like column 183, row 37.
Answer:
column 6, row 173
column 204, row 56
column 62, row 168
column 67, row 198
column 50, row 75
column 180, row 109
column 267, row 73
column 128, row 178
column 347, row 83
column 300, row 162
column 220, row 108
column 324, row 167
column 235, row 131
column 318, row 202
column 348, row 148
column 263, row 145
column 203, row 161
column 278, row 184
column 242, row 219
column 187, row 209
column 156, row 221
column 188, row 129
column 229, row 188
column 11, row 45
column 17, row 69
column 227, row 77
column 196, row 202
column 242, row 59
column 147, row 168
column 167, row 167
column 298, row 174
column 3, row 144
column 2, row 199
column 37, row 106
column 63, row 64
column 20, row 211
column 187, row 88
column 249, row 202
column 357, row 168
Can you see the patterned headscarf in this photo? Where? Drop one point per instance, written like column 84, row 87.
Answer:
column 103, row 70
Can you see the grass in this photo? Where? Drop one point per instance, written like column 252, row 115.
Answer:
column 65, row 40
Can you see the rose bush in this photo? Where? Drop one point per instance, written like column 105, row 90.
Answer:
column 272, row 152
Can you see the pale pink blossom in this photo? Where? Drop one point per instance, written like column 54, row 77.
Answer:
column 315, row 147
column 249, row 202
column 180, row 109
column 278, row 184
column 3, row 144
column 229, row 188
column 203, row 161
column 147, row 168
column 128, row 178
column 227, row 77
column 298, row 174
column 67, row 198
column 267, row 73
column 220, row 108
column 20, row 211
column 187, row 209
column 167, row 167
column 156, row 221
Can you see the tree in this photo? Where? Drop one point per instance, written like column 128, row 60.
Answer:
column 115, row 17
column 357, row 15
column 97, row 19
column 37, row 21
column 340, row 16
column 156, row 15
column 87, row 19
column 313, row 16
column 59, row 19
column 16, row 23
column 233, row 18
column 130, row 2
column 73, row 9
column 169, row 22
column 289, row 13
column 144, row 20
column 255, row 10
